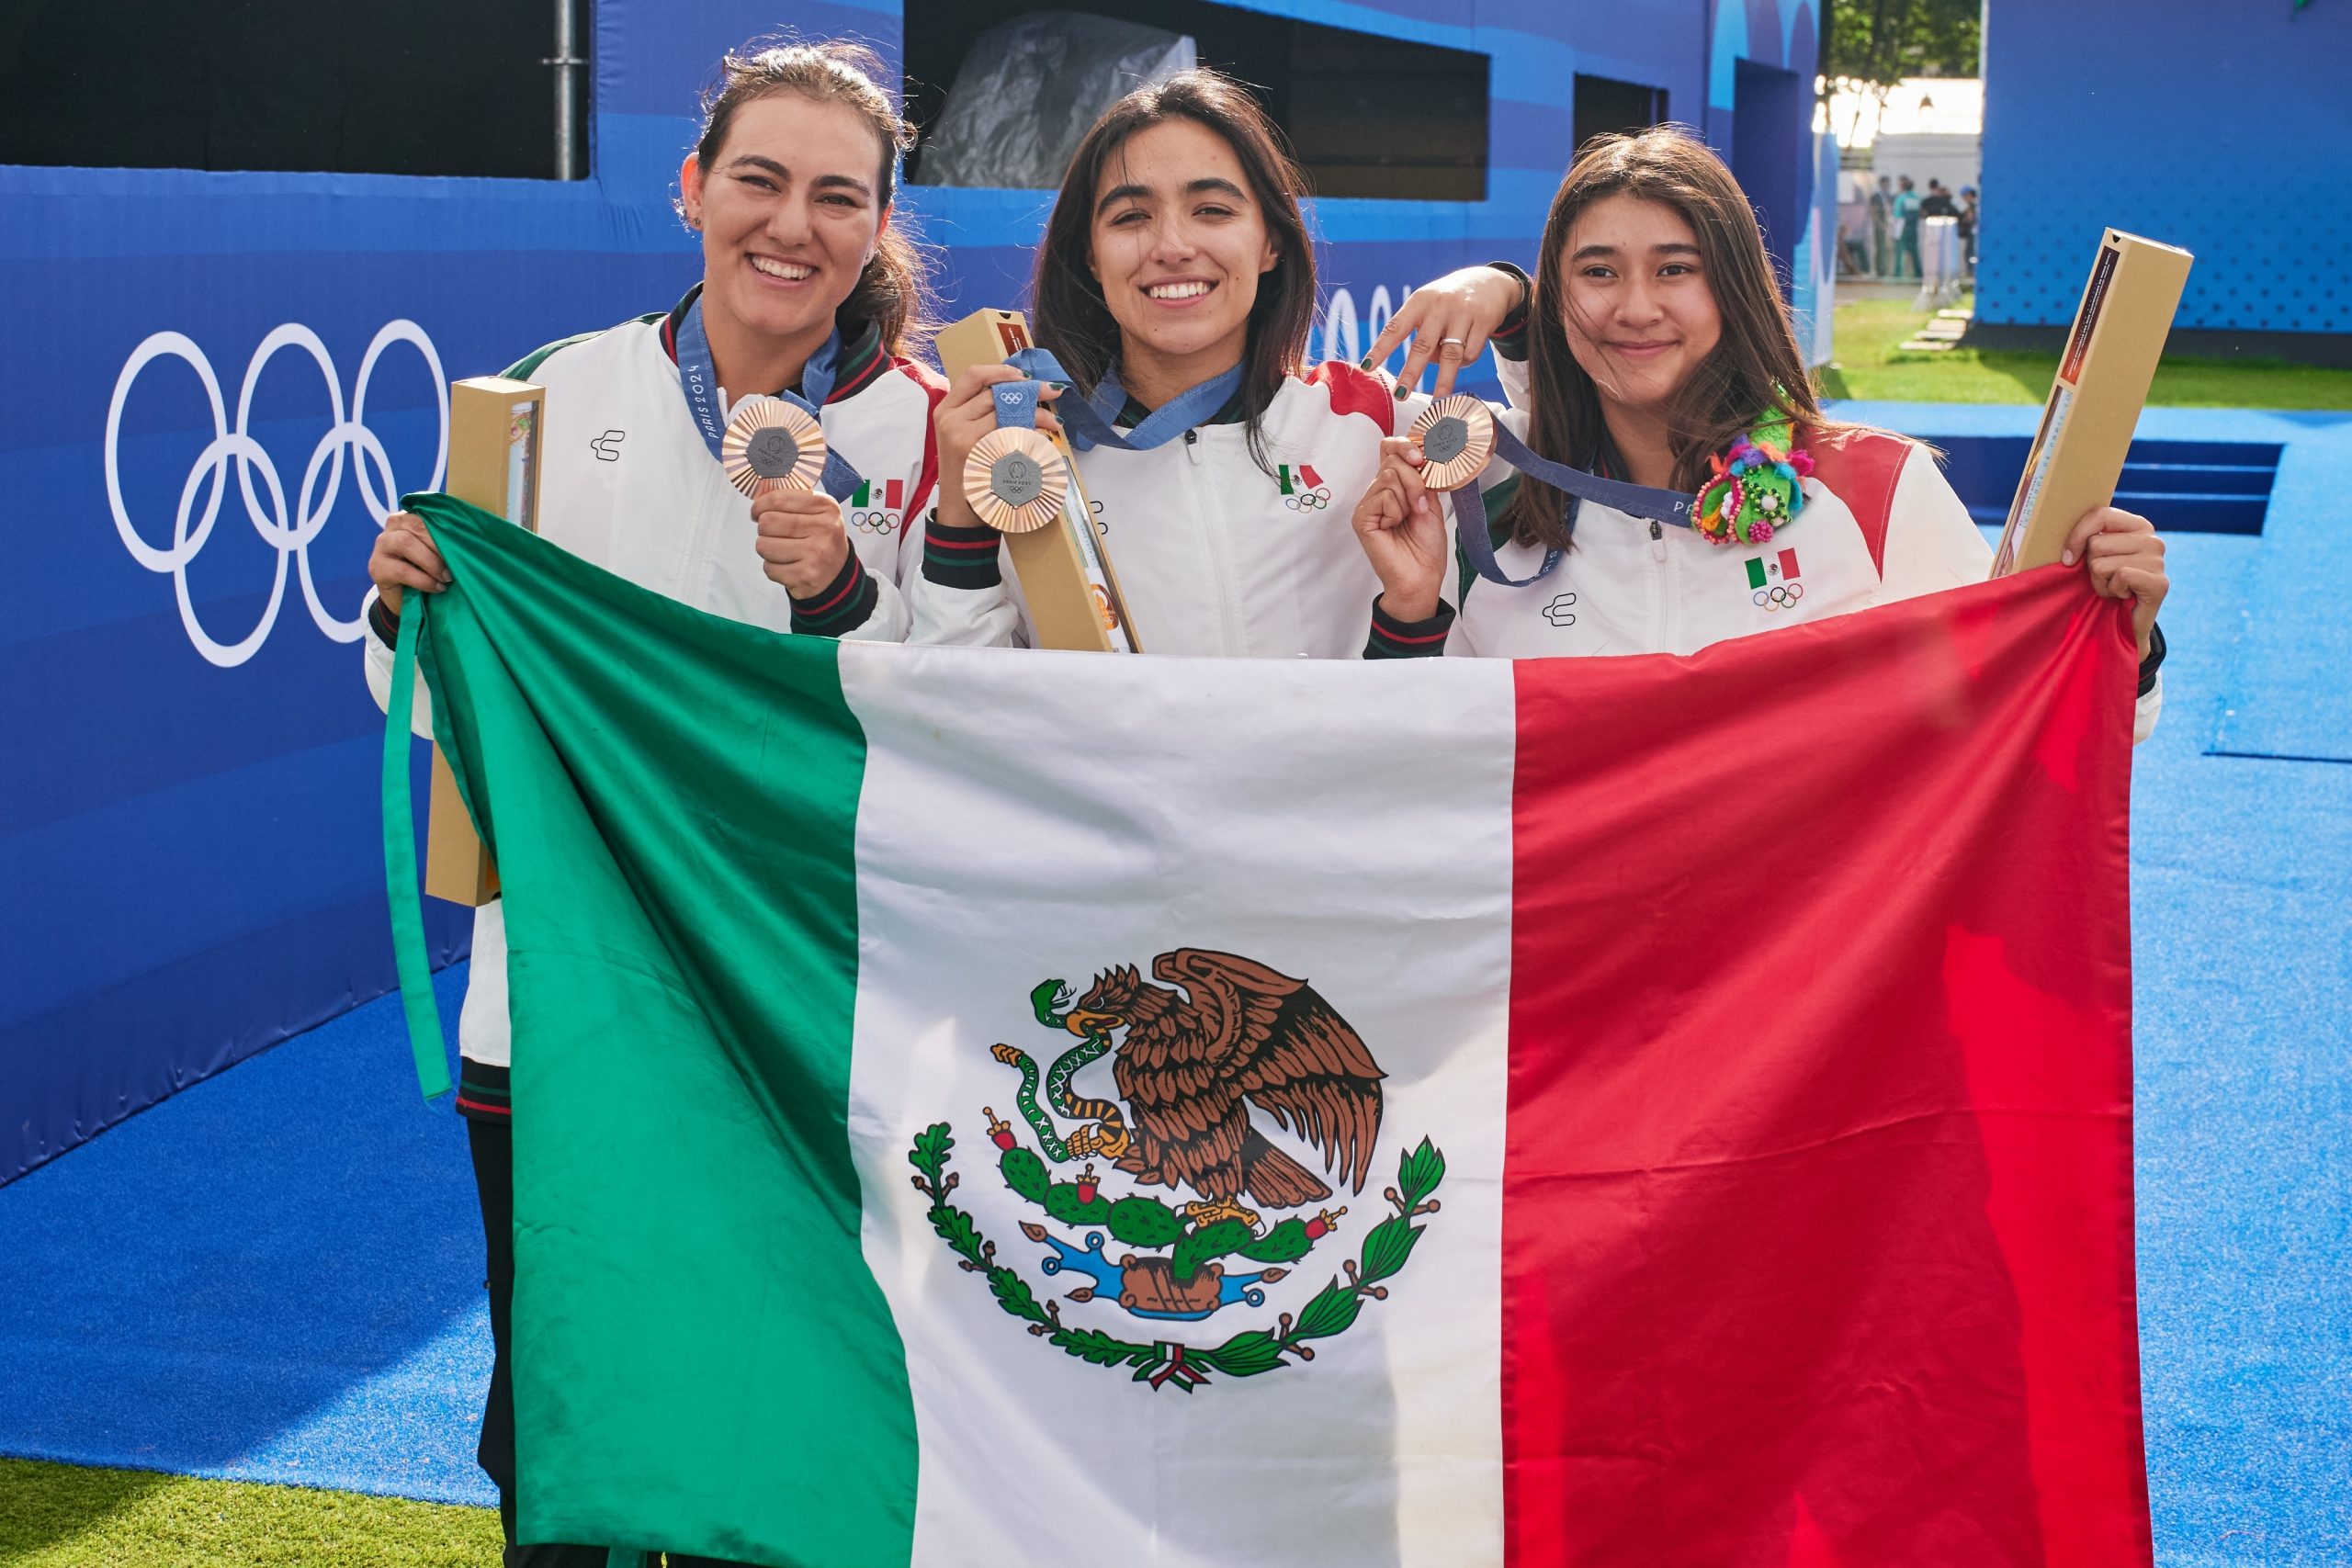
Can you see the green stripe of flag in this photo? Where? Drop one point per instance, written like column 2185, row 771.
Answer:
column 411, row 960
column 703, row 1363
column 1756, row 571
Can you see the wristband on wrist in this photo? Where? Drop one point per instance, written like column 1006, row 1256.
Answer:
column 842, row 605
column 1515, row 322
column 2154, row 662
column 1510, row 340
column 960, row 558
column 1392, row 638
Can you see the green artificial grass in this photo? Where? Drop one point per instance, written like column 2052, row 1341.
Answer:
column 1870, row 364
column 57, row 1516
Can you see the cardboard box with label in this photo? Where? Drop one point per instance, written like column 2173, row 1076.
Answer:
column 1063, row 572
column 494, row 433
column 2103, row 379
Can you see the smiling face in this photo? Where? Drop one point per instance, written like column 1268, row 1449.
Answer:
column 789, row 212
column 1639, row 312
column 1178, row 246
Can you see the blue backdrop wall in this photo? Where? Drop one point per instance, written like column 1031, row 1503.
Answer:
column 188, row 818
column 2221, row 129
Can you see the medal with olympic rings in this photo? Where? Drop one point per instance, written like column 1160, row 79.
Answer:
column 1015, row 480
column 772, row 445
column 1456, row 434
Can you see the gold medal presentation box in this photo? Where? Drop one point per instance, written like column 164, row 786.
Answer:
column 1064, row 571
column 494, row 427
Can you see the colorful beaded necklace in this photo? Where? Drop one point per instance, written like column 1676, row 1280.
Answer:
column 1756, row 489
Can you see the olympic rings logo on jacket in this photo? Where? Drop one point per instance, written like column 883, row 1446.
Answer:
column 289, row 534
column 1303, row 489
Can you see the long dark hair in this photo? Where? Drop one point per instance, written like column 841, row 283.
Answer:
column 894, row 291
column 1069, row 317
column 1755, row 367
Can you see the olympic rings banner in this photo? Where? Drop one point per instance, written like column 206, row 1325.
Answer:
column 213, row 386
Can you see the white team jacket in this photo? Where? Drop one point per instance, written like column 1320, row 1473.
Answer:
column 628, row 483
column 1216, row 555
column 1631, row 586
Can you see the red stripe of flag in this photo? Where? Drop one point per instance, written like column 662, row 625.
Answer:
column 1816, row 1234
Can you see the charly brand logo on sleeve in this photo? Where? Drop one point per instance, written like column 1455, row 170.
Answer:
column 288, row 521
column 607, row 447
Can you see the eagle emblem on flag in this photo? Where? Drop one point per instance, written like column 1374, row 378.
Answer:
column 1191, row 1059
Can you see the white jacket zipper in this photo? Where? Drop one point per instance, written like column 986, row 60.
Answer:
column 1210, row 510
column 1658, row 597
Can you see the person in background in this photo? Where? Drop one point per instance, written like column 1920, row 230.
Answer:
column 1853, row 231
column 1658, row 343
column 1968, row 230
column 1939, row 202
column 1906, row 212
column 1882, row 228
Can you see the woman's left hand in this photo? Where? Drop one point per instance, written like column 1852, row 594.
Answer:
column 2127, row 561
column 802, row 544
column 1449, row 321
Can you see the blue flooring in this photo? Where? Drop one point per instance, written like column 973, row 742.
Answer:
column 277, row 1274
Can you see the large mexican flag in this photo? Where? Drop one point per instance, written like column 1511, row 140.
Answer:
column 982, row 1107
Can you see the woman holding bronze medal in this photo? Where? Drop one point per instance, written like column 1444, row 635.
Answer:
column 753, row 451
column 1175, row 287
column 1715, row 498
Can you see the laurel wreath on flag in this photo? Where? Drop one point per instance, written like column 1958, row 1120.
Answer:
column 1332, row 1312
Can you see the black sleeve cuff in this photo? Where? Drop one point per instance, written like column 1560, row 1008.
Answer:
column 2150, row 665
column 960, row 558
column 1510, row 340
column 1392, row 638
column 383, row 623
column 842, row 605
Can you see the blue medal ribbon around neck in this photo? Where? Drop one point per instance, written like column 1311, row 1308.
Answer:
column 1094, row 422
column 699, row 381
column 1479, row 541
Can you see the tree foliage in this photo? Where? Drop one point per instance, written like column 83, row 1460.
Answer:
column 1882, row 42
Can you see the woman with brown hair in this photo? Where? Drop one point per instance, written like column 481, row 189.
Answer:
column 809, row 293
column 1175, row 286
column 1660, row 355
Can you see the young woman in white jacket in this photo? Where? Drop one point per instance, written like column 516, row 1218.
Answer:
column 1176, row 284
column 807, row 291
column 1659, row 352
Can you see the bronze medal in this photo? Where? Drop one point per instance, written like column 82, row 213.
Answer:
column 772, row 445
column 1457, row 435
column 1015, row 480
